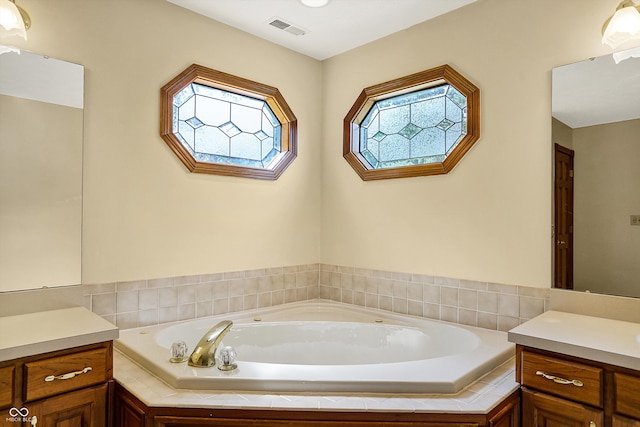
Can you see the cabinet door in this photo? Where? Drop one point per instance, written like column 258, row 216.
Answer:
column 82, row 408
column 542, row 410
column 619, row 421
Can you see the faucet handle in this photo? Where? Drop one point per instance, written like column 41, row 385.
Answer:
column 226, row 358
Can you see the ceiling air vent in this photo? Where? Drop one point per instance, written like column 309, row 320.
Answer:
column 285, row 26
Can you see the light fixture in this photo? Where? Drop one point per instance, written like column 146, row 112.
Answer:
column 14, row 20
column 314, row 3
column 623, row 26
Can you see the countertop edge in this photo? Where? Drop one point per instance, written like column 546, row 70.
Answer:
column 30, row 334
column 561, row 337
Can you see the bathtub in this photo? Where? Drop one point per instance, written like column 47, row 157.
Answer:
column 326, row 347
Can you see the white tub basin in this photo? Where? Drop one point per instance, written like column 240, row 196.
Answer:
column 326, row 347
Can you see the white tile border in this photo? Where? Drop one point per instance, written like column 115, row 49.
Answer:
column 478, row 398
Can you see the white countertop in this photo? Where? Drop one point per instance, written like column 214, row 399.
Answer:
column 35, row 333
column 602, row 340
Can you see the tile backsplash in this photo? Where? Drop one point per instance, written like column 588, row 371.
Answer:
column 487, row 305
column 150, row 302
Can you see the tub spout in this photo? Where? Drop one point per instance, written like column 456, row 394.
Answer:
column 204, row 355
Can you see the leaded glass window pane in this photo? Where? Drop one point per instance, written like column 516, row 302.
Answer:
column 415, row 128
column 217, row 126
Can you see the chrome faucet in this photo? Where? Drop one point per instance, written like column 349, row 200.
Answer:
column 204, row 355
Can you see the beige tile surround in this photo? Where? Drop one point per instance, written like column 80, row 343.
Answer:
column 149, row 302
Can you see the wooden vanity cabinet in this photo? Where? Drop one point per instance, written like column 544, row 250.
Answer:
column 561, row 390
column 69, row 387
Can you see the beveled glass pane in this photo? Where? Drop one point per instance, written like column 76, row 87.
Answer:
column 372, row 114
column 410, row 130
column 246, row 119
column 246, row 146
column 266, row 147
column 211, row 111
column 371, row 159
column 269, row 116
column 445, row 124
column 277, row 138
column 413, row 97
column 183, row 96
column 454, row 95
column 395, row 147
column 428, row 113
column 454, row 112
column 194, row 122
column 186, row 133
column 269, row 160
column 211, row 140
column 363, row 139
column 373, row 146
column 230, row 129
column 261, row 135
column 394, row 119
column 429, row 142
column 454, row 135
column 187, row 109
column 226, row 96
column 378, row 136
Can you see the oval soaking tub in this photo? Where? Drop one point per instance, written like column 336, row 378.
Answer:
column 325, row 347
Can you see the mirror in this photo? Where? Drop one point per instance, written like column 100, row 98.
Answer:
column 596, row 117
column 41, row 126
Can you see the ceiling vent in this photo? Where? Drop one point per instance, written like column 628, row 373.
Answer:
column 281, row 24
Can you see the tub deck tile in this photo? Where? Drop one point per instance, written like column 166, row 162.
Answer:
column 478, row 398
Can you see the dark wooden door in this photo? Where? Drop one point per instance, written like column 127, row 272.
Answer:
column 563, row 218
column 542, row 410
column 82, row 408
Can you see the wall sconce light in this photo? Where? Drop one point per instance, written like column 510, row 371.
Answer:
column 14, row 20
column 623, row 26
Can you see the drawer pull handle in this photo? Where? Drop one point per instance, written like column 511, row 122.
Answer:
column 67, row 376
column 559, row 380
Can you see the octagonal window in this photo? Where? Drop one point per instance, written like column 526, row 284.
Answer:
column 221, row 124
column 417, row 125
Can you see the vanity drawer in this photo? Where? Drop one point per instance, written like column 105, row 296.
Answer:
column 48, row 377
column 7, row 384
column 627, row 395
column 568, row 379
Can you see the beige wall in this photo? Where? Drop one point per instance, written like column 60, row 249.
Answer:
column 561, row 134
column 606, row 194
column 490, row 218
column 145, row 216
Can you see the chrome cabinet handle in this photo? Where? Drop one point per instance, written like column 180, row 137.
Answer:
column 592, row 424
column 34, row 421
column 559, row 380
column 67, row 375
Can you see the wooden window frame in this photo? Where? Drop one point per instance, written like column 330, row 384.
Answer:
column 414, row 82
column 230, row 83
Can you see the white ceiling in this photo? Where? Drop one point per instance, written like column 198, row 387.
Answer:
column 596, row 91
column 335, row 28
